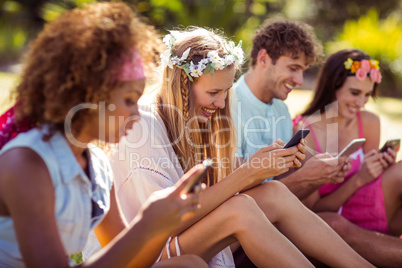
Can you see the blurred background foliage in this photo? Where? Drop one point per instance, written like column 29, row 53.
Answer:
column 370, row 25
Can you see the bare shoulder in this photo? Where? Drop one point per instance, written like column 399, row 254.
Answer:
column 21, row 163
column 307, row 121
column 369, row 119
column 371, row 130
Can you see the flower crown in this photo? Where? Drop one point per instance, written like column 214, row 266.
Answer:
column 363, row 68
column 212, row 62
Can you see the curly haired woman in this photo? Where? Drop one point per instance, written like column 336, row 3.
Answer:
column 82, row 73
column 188, row 121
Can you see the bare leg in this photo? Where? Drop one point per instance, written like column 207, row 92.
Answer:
column 304, row 228
column 182, row 262
column 240, row 219
column 380, row 249
column 392, row 189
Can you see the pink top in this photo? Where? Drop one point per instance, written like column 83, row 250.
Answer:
column 366, row 206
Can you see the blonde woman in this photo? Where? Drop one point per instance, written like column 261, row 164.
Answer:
column 188, row 120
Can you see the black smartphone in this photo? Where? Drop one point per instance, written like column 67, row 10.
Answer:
column 390, row 144
column 190, row 186
column 295, row 140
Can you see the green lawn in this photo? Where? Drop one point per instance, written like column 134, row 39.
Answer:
column 388, row 109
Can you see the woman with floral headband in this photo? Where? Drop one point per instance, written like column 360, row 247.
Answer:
column 188, row 120
column 370, row 195
column 82, row 72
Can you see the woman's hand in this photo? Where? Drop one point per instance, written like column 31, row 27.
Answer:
column 272, row 160
column 300, row 154
column 373, row 165
column 165, row 209
column 390, row 157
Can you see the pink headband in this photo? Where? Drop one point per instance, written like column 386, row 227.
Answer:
column 132, row 68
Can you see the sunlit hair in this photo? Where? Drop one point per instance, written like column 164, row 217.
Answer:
column 175, row 91
column 280, row 37
column 75, row 60
column 331, row 77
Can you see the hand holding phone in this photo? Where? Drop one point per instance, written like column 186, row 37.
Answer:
column 197, row 180
column 390, row 144
column 295, row 140
column 351, row 147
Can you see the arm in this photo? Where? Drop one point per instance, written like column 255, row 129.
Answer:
column 112, row 224
column 370, row 169
column 267, row 162
column 30, row 200
column 315, row 172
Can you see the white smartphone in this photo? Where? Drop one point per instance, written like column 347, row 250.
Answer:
column 351, row 147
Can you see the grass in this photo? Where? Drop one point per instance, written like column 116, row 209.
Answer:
column 388, row 109
column 7, row 82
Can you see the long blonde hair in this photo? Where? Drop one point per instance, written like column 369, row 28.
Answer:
column 176, row 107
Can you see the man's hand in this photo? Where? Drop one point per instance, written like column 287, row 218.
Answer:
column 323, row 168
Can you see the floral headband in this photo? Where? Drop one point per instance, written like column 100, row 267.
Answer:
column 363, row 68
column 212, row 62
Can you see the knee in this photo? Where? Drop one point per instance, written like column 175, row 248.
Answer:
column 194, row 261
column 393, row 176
column 275, row 195
column 397, row 167
column 240, row 205
column 240, row 212
column 275, row 190
column 183, row 261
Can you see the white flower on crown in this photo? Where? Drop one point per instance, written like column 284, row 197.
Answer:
column 204, row 61
column 238, row 52
column 195, row 70
column 185, row 54
column 220, row 64
column 165, row 59
column 213, row 56
column 229, row 59
column 175, row 60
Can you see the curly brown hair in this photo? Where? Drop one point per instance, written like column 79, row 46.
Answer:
column 75, row 59
column 280, row 37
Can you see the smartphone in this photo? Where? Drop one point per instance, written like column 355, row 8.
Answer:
column 190, row 186
column 351, row 147
column 390, row 144
column 295, row 140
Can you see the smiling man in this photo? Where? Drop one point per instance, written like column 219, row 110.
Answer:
column 282, row 51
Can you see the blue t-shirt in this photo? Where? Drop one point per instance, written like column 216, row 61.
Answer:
column 258, row 124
